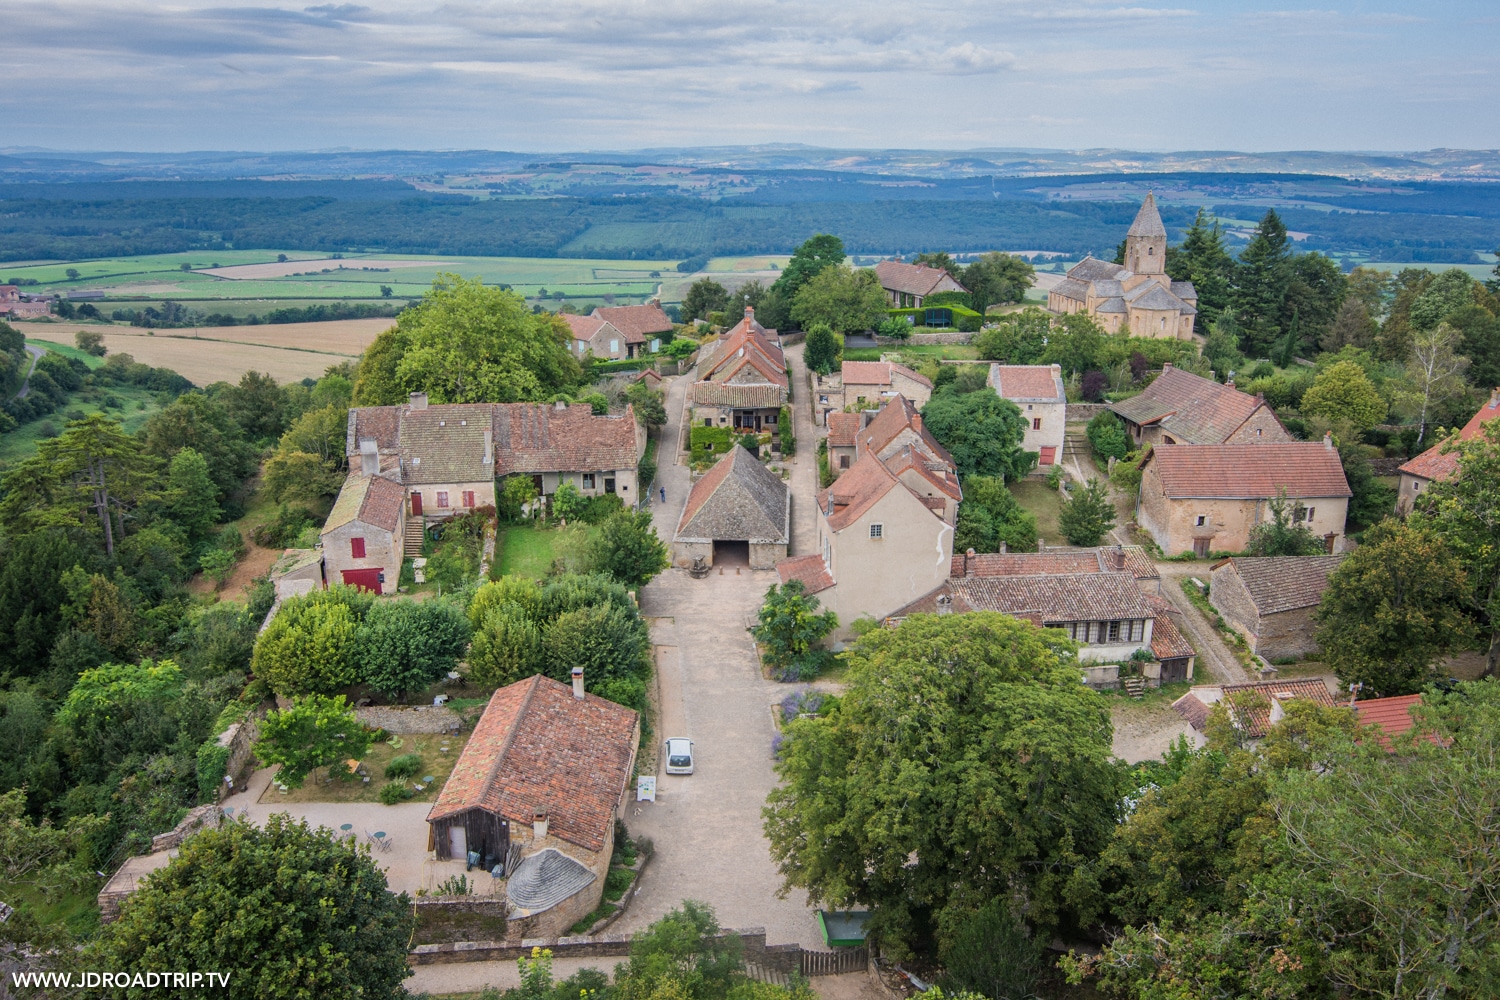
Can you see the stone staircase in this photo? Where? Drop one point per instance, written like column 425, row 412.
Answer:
column 1134, row 686
column 412, row 540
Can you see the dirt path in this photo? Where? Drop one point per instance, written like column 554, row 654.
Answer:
column 257, row 563
column 804, row 465
column 36, row 355
column 1213, row 654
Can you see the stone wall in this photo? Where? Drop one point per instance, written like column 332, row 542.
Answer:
column 198, row 818
column 1287, row 633
column 780, row 957
column 410, row 718
column 240, row 739
column 928, row 338
column 1084, row 412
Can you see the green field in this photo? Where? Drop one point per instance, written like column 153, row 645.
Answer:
column 131, row 405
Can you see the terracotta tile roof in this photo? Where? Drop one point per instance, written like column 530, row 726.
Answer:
column 584, row 327
column 648, row 374
column 1434, row 463
column 1250, row 705
column 748, row 335
column 739, row 395
column 539, row 749
column 1147, row 220
column 841, row 429
column 1305, row 469
column 913, row 279
column 1282, row 583
column 1167, row 640
column 1194, row 710
column 446, row 444
column 1130, row 559
column 380, row 423
column 856, row 490
column 878, row 373
column 1028, row 383
column 739, row 499
column 749, row 368
column 1193, row 410
column 941, row 476
column 897, row 415
column 373, row 500
column 1392, row 716
column 540, row 437
column 637, row 323
column 1062, row 598
column 811, row 570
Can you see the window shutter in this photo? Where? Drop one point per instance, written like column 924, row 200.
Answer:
column 468, row 498
column 357, row 548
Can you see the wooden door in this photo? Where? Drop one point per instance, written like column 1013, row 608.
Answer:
column 416, row 505
column 367, row 579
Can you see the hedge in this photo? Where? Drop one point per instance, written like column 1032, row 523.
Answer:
column 960, row 318
column 712, row 440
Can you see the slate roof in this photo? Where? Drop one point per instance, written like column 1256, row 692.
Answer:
column 841, row 429
column 1147, row 220
column 1094, row 269
column 373, row 500
column 1303, row 469
column 1114, row 304
column 811, row 570
column 1192, row 409
column 539, row 749
column 539, row 437
column 1434, row 463
column 1283, row 583
column 912, row 279
column 1249, row 704
column 637, row 323
column 544, row 879
column 1072, row 288
column 738, row 499
column 879, row 373
column 1167, row 640
column 1184, row 290
column 445, row 444
column 382, row 424
column 1028, row 383
column 739, row 395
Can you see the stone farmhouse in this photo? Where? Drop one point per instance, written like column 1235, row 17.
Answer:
column 1253, row 708
column 17, row 306
column 642, row 326
column 1039, row 392
column 596, row 337
column 1435, row 464
column 885, row 526
column 743, row 385
column 1205, row 498
column 868, row 385
column 1270, row 600
column 1179, row 407
column 536, row 792
column 908, row 285
column 1137, row 296
column 364, row 537
column 740, row 511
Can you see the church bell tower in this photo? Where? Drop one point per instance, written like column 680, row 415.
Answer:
column 1146, row 243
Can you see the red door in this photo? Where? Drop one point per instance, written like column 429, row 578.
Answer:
column 365, row 579
column 1049, row 455
column 416, row 504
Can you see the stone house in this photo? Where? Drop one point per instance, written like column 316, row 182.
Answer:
column 557, row 443
column 1270, row 600
column 299, row 571
column 596, row 337
column 1435, row 464
column 907, row 285
column 872, row 384
column 1039, row 392
column 15, row 305
column 641, row 326
column 537, row 790
column 740, row 511
column 1179, row 407
column 1137, row 296
column 841, row 430
column 1253, row 708
column 1130, row 559
column 364, row 536
column 1205, row 498
column 743, row 385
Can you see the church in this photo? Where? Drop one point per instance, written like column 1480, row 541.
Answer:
column 1138, row 295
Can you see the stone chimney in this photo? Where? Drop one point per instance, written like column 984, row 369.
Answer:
column 1004, row 548
column 369, row 457
column 1494, row 398
column 1166, row 366
column 560, row 405
column 578, row 683
column 489, row 445
column 916, row 422
column 1328, row 440
column 539, row 824
column 1229, row 384
column 1041, row 545
column 419, row 401
column 1057, row 371
column 945, row 604
column 750, row 312
column 969, row 555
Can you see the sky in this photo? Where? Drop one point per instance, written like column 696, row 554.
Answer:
column 622, row 74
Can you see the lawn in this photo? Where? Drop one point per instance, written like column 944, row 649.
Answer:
column 941, row 352
column 132, row 406
column 435, row 762
column 1035, row 496
column 527, row 550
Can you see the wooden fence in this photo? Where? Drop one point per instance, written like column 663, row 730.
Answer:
column 808, row 963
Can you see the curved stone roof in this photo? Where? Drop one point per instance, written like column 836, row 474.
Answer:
column 545, row 879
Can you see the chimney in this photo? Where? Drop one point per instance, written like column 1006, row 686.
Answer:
column 369, row 457
column 1119, row 555
column 419, row 401
column 916, row 422
column 1041, row 545
column 1494, row 398
column 945, row 604
column 1057, row 371
column 1004, row 548
column 560, row 405
column 578, row 683
column 1229, row 384
column 1166, row 366
column 539, row 824
column 969, row 555
column 489, row 446
column 750, row 312
column 1328, row 440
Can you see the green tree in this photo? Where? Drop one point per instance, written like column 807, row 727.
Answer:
column 404, row 646
column 309, row 646
column 1352, row 326
column 997, row 277
column 1434, row 374
column 790, row 628
column 682, row 956
column 1075, row 342
column 1314, row 293
column 194, row 420
column 786, row 438
column 517, row 493
column 507, row 646
column 1286, row 533
column 191, row 498
column 1088, row 514
column 299, row 477
column 1203, row 260
column 315, row 732
column 1370, row 498
column 90, row 342
column 567, row 502
column 1221, row 348
column 1003, row 782
column 1445, row 294
column 309, row 914
column 218, row 566
column 610, row 643
column 823, row 349
column 1343, row 392
column 704, row 296
column 990, row 953
column 1261, row 278
column 649, row 405
column 982, row 431
column 1479, row 341
column 815, row 254
column 319, row 431
column 991, row 514
column 845, row 299
column 939, row 260
column 258, row 405
column 1107, row 437
column 1017, row 339
column 628, row 550
column 1393, row 609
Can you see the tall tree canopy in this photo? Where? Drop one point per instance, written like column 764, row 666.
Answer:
column 815, row 253
column 1261, row 280
column 982, row 431
column 997, row 277
column 842, row 298
column 1203, row 260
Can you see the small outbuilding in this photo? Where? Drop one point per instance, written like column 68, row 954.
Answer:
column 740, row 510
column 1270, row 600
column 363, row 539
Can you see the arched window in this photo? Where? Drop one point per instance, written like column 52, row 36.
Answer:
column 1151, row 251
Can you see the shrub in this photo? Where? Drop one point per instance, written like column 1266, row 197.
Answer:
column 1107, row 437
column 1093, row 386
column 393, row 793
column 454, row 885
column 600, row 508
column 784, row 432
column 283, row 530
column 405, row 766
column 213, row 765
column 617, row 882
column 711, row 440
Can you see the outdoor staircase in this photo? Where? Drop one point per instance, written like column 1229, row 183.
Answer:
column 1134, row 686
column 412, row 540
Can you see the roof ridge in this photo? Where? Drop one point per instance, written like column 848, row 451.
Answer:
column 510, row 737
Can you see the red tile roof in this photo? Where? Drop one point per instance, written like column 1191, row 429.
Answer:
column 584, row 327
column 539, row 749
column 1193, row 409
column 539, row 437
column 878, row 373
column 1130, row 559
column 812, row 571
column 637, row 323
column 856, row 490
column 1167, row 640
column 373, row 500
column 1391, row 715
column 749, row 335
column 1028, row 382
column 913, row 279
column 1434, row 463
column 841, row 429
column 739, row 395
column 1304, row 469
column 1250, row 705
column 894, row 417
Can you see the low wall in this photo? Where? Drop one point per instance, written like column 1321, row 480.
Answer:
column 240, row 739
column 780, row 957
column 198, row 818
column 1106, row 675
column 410, row 718
column 1085, row 412
column 954, row 337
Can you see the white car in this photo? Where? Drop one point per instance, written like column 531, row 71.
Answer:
column 679, row 755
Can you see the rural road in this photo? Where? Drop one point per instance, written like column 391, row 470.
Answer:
column 36, row 355
column 1212, row 652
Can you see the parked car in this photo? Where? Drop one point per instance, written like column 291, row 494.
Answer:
column 679, row 755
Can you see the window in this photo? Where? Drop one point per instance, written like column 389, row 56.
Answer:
column 588, row 480
column 468, row 498
column 708, row 421
column 1114, row 631
column 1202, row 520
column 357, row 548
column 843, row 461
column 1257, row 432
column 1030, row 406
column 877, row 531
column 442, row 499
column 1036, row 423
column 1310, row 512
column 1416, row 487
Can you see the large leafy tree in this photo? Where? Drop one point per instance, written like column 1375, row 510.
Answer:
column 1088, row 514
column 842, row 298
column 790, row 626
column 314, row 732
column 1343, row 392
column 1261, row 279
column 467, row 342
column 997, row 277
column 309, row 645
column 816, row 253
column 822, row 349
column 704, row 296
column 193, row 420
column 1018, row 338
column 965, row 761
column 982, row 431
column 404, row 646
column 1434, row 374
column 989, row 515
column 628, row 550
column 283, row 912
column 191, row 497
column 507, row 645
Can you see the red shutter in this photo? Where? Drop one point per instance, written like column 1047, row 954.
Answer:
column 1048, row 456
column 442, row 499
column 357, row 548
column 468, row 498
